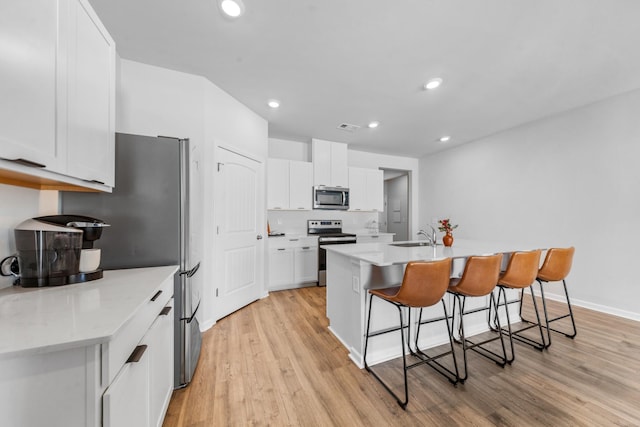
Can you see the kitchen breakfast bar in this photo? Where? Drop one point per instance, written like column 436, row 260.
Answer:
column 353, row 269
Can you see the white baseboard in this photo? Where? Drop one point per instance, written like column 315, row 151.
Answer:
column 206, row 325
column 596, row 307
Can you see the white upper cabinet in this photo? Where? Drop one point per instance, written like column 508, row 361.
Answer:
column 91, row 93
column 57, row 79
column 277, row 184
column 289, row 184
column 32, row 71
column 300, row 185
column 375, row 189
column 330, row 163
column 366, row 189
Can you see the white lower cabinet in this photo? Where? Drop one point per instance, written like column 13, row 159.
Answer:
column 281, row 267
column 124, row 381
column 126, row 401
column 305, row 264
column 140, row 393
column 293, row 262
column 160, row 339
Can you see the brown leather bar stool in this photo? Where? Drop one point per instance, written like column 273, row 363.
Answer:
column 423, row 285
column 479, row 279
column 520, row 274
column 555, row 268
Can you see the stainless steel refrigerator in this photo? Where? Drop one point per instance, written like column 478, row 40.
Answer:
column 149, row 216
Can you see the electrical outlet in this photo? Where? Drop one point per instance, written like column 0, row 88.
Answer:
column 355, row 284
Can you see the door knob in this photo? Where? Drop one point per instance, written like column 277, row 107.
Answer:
column 259, row 237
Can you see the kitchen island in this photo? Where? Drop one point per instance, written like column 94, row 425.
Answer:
column 353, row 269
column 98, row 353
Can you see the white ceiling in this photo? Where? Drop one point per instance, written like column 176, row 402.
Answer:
column 504, row 62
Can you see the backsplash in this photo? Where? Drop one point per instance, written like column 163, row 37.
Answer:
column 18, row 204
column 295, row 222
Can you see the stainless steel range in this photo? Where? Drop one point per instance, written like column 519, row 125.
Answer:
column 329, row 232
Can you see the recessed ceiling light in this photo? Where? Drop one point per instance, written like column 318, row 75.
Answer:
column 445, row 138
column 433, row 83
column 273, row 103
column 373, row 125
column 232, row 8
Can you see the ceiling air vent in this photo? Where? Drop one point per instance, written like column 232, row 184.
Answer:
column 348, row 128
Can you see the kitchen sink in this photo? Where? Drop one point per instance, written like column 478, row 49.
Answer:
column 413, row 244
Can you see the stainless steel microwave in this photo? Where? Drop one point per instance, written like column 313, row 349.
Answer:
column 336, row 198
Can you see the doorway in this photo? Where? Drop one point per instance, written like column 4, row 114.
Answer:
column 396, row 217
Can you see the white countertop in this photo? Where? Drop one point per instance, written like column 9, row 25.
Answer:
column 38, row 320
column 384, row 254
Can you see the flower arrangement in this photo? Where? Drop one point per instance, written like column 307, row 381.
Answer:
column 445, row 225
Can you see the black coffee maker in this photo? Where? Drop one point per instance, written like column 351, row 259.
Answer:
column 50, row 250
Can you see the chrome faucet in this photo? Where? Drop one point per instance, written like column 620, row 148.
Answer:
column 431, row 239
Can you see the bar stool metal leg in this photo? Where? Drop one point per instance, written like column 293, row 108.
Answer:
column 549, row 321
column 452, row 376
column 401, row 402
column 478, row 347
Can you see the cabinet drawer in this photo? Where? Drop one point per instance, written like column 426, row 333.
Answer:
column 126, row 401
column 292, row 242
column 116, row 351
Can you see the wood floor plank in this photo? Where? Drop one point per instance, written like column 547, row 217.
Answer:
column 275, row 363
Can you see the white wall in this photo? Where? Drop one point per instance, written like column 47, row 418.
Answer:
column 231, row 125
column 571, row 179
column 156, row 101
column 290, row 150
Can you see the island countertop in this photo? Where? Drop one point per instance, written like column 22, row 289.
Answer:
column 386, row 254
column 37, row 320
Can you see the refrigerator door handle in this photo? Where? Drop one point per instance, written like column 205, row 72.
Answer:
column 190, row 318
column 190, row 273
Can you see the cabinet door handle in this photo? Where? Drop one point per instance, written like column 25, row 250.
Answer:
column 95, row 181
column 155, row 297
column 165, row 311
column 281, row 249
column 137, row 354
column 29, row 163
column 374, row 237
column 306, row 247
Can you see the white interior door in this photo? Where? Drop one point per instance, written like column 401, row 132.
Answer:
column 239, row 210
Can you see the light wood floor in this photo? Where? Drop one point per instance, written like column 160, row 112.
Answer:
column 275, row 363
